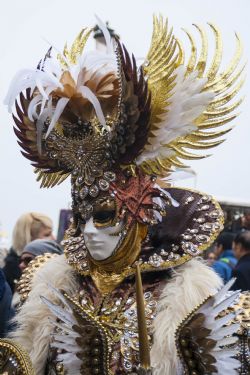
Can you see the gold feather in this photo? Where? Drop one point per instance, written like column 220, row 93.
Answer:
column 49, row 180
column 164, row 55
column 224, row 84
column 70, row 55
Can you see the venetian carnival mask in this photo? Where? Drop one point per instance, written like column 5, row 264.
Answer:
column 114, row 128
column 102, row 233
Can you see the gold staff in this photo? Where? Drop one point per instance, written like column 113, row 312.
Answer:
column 144, row 350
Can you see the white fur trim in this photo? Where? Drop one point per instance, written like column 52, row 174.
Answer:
column 190, row 284
column 34, row 328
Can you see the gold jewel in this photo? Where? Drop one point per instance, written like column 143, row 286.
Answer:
column 14, row 358
column 25, row 283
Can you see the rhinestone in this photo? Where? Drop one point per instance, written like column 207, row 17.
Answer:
column 84, row 265
column 93, row 191
column 205, row 199
column 131, row 334
column 147, row 295
column 202, row 238
column 118, row 302
column 103, row 184
column 131, row 312
column 214, row 214
column 84, row 301
column 187, row 237
column 190, row 248
column 201, row 220
column 205, row 207
column 207, row 227
column 163, row 252
column 194, row 231
column 84, row 192
column 127, row 365
column 216, row 226
column 79, row 181
column 89, row 180
column 152, row 304
column 130, row 301
column 189, row 200
column 173, row 256
column 127, row 354
column 155, row 260
column 175, row 247
column 110, row 176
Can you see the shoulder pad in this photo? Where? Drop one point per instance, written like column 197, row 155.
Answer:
column 25, row 282
column 14, row 360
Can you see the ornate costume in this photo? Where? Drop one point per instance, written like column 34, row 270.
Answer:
column 127, row 296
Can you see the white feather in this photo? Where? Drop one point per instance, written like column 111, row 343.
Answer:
column 87, row 93
column 106, row 34
column 221, row 294
column 65, row 337
column 60, row 106
column 187, row 103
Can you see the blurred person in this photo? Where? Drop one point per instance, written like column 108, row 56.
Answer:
column 38, row 247
column 242, row 223
column 29, row 226
column 211, row 258
column 226, row 260
column 5, row 304
column 241, row 248
column 3, row 254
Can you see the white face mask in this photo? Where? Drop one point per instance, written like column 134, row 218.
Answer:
column 100, row 242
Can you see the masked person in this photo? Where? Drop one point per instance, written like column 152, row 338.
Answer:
column 115, row 302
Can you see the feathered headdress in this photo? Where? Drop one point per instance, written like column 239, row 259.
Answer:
column 96, row 115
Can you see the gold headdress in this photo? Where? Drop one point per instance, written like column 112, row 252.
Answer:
column 111, row 126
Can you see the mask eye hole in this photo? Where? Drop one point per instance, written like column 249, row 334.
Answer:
column 104, row 213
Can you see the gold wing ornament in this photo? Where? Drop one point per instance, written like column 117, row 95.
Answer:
column 188, row 98
column 208, row 339
column 14, row 360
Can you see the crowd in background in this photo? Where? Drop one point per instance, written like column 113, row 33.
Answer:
column 230, row 253
column 33, row 236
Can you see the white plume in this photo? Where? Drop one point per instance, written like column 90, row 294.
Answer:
column 187, row 103
column 47, row 78
column 64, row 339
column 222, row 330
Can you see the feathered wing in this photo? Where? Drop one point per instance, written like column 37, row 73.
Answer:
column 187, row 99
column 47, row 168
column 131, row 133
column 78, row 334
column 68, row 87
column 206, row 342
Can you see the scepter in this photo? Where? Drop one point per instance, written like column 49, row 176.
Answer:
column 144, row 350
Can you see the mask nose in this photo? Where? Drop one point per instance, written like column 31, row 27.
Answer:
column 89, row 229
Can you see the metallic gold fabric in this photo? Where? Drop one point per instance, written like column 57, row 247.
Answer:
column 108, row 273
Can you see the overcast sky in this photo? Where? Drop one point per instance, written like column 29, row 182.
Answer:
column 25, row 28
